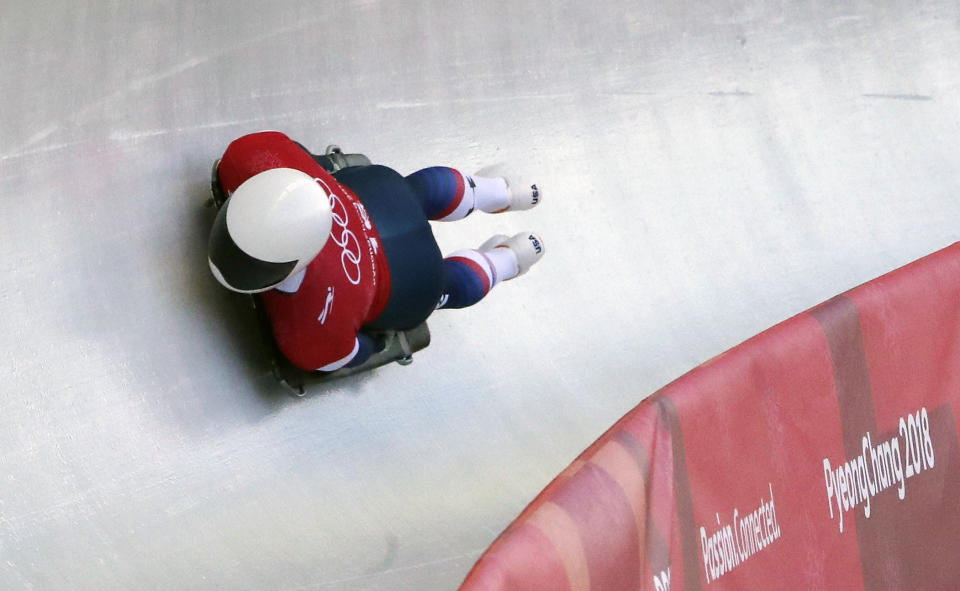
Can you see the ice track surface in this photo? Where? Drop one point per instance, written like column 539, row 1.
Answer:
column 710, row 169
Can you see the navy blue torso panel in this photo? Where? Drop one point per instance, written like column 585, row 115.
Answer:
column 413, row 256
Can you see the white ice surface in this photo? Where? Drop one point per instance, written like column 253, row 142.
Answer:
column 711, row 168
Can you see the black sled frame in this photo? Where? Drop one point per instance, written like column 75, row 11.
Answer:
column 400, row 345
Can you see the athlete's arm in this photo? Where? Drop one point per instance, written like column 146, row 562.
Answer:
column 368, row 345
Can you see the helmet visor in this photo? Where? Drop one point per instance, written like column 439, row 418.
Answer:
column 238, row 270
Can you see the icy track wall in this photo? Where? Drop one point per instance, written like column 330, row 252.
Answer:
column 821, row 454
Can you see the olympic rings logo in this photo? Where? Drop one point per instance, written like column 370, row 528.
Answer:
column 347, row 241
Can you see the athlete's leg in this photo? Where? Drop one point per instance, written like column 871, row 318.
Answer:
column 469, row 275
column 447, row 194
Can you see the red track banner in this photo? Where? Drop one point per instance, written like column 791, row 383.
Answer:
column 820, row 454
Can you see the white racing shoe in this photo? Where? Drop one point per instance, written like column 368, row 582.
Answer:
column 523, row 195
column 527, row 247
column 520, row 195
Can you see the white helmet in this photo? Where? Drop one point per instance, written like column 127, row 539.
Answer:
column 269, row 229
